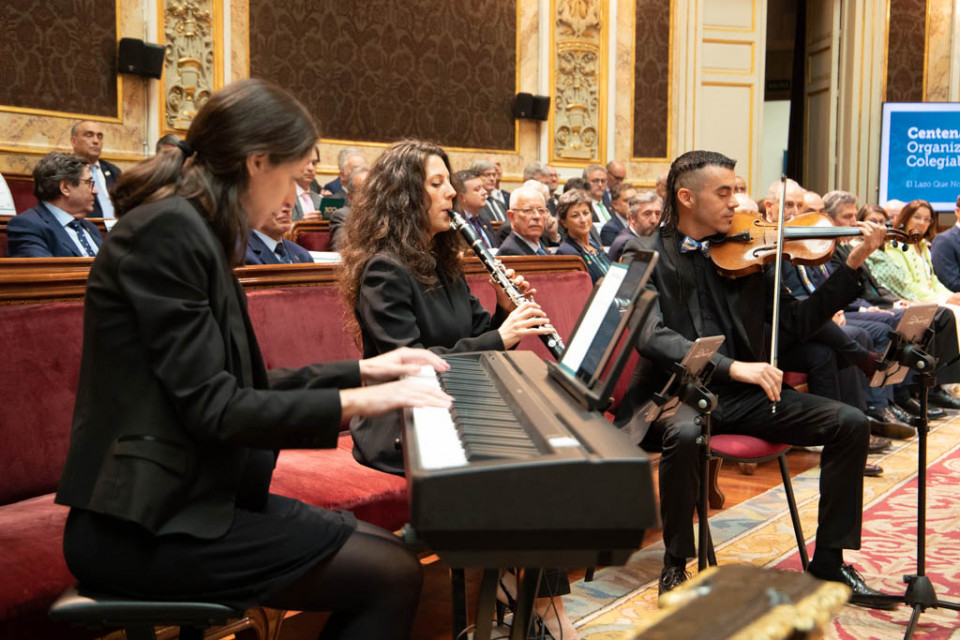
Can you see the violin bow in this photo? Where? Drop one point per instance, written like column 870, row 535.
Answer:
column 775, row 320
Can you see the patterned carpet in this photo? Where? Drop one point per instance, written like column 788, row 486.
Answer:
column 758, row 532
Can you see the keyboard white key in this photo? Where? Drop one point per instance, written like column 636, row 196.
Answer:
column 438, row 443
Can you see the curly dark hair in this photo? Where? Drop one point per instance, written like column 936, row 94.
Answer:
column 389, row 216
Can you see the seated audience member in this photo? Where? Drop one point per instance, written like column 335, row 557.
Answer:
column 909, row 274
column 893, row 208
column 740, row 186
column 471, row 202
column 307, row 205
column 576, row 183
column 528, row 213
column 336, row 185
column 7, row 208
column 339, row 217
column 620, row 197
column 792, row 204
column 350, row 162
column 86, row 137
column 552, row 182
column 945, row 254
column 841, row 206
column 551, row 226
column 616, row 174
column 266, row 244
column 493, row 210
column 535, row 171
column 812, row 203
column 498, row 194
column 573, row 210
column 56, row 228
column 643, row 219
column 168, row 141
column 596, row 178
column 700, row 199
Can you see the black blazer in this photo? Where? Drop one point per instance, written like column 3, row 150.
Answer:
column 611, row 229
column 187, row 410
column 870, row 290
column 515, row 246
column 394, row 309
column 36, row 233
column 677, row 321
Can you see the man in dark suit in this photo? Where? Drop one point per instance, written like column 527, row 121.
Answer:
column 56, row 228
column 643, row 218
column 471, row 202
column 945, row 254
column 266, row 244
column 86, row 137
column 696, row 301
column 307, row 205
column 339, row 217
column 616, row 174
column 528, row 213
column 596, row 178
column 347, row 160
column 620, row 195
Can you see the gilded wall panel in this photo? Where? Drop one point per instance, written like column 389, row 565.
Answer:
column 191, row 71
column 579, row 83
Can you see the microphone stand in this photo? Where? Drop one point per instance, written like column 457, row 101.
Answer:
column 690, row 388
column 919, row 594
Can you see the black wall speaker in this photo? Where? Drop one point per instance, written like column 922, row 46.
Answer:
column 140, row 58
column 541, row 107
column 531, row 107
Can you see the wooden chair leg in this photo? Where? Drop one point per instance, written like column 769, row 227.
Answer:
column 713, row 488
column 747, row 468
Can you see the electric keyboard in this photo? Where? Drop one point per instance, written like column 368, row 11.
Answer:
column 517, row 473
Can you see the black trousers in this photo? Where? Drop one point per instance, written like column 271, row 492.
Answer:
column 801, row 419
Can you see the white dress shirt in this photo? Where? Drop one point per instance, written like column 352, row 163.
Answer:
column 64, row 219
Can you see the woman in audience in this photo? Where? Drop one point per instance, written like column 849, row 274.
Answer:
column 573, row 210
column 402, row 278
column 873, row 213
column 177, row 423
column 908, row 272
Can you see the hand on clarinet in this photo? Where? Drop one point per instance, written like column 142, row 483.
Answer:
column 526, row 320
column 766, row 376
column 503, row 300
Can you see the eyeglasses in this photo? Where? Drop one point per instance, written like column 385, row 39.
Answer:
column 598, row 181
column 89, row 181
column 532, row 210
column 489, row 174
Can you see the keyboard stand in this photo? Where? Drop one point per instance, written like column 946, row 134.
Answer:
column 486, row 603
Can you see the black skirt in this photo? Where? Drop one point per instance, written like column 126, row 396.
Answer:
column 262, row 553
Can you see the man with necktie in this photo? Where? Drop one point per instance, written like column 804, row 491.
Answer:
column 471, row 201
column 266, row 244
column 494, row 210
column 86, row 137
column 56, row 228
column 696, row 301
column 307, row 202
column 596, row 177
column 528, row 214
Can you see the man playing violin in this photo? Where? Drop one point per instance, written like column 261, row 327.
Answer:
column 696, row 301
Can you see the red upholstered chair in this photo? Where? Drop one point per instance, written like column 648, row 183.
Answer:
column 312, row 235
column 738, row 448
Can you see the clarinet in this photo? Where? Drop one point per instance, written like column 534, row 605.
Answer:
column 499, row 275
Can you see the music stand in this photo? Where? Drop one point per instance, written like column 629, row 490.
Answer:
column 688, row 385
column 909, row 349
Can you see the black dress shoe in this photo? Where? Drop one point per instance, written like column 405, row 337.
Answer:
column 899, row 414
column 672, row 577
column 884, row 423
column 863, row 596
column 878, row 444
column 872, row 470
column 912, row 406
column 943, row 399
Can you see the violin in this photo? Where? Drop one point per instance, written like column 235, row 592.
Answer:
column 808, row 239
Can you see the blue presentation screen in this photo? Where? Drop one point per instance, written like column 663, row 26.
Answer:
column 920, row 153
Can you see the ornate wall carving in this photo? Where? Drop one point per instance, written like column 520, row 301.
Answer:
column 380, row 71
column 190, row 62
column 59, row 56
column 905, row 49
column 578, row 65
column 651, row 77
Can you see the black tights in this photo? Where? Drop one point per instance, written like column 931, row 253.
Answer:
column 372, row 586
